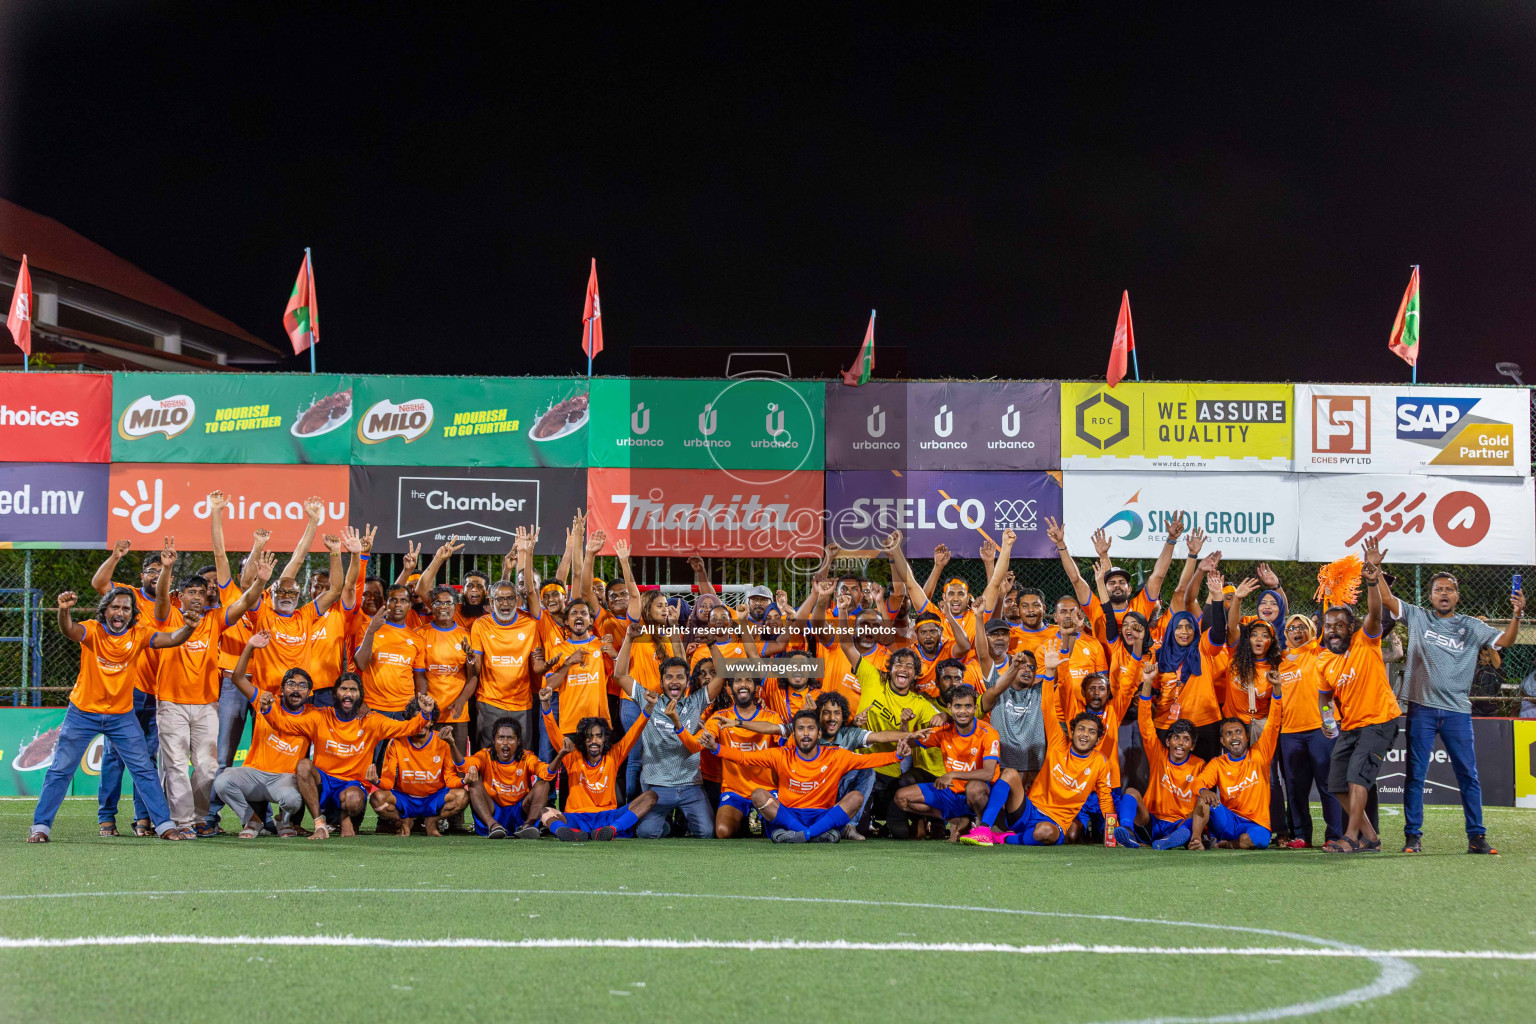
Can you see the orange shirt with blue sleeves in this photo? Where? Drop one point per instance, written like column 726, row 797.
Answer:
column 508, row 783
column 966, row 751
column 446, row 675
column 735, row 776
column 1243, row 784
column 808, row 782
column 592, row 785
column 1066, row 780
column 419, row 771
column 1174, row 787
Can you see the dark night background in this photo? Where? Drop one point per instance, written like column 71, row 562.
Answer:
column 988, row 177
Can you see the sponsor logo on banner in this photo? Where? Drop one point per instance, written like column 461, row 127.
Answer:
column 57, row 504
column 146, row 416
column 969, row 425
column 55, row 417
column 1249, row 516
column 481, row 506
column 1498, row 772
column 149, row 500
column 866, row 426
column 1194, row 427
column 959, row 510
column 1380, row 429
column 470, row 421
column 1341, row 424
column 1524, row 762
column 743, row 424
column 1479, row 520
column 384, row 419
column 707, row 512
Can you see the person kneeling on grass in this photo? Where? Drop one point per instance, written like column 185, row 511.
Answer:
column 419, row 780
column 268, row 771
column 970, row 780
column 592, row 809
column 1162, row 816
column 507, row 784
column 805, row 807
column 1234, row 788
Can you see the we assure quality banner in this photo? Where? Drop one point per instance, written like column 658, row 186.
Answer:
column 482, row 507
column 958, row 509
column 1246, row 515
column 1348, row 428
column 1195, row 428
column 965, row 425
column 469, row 421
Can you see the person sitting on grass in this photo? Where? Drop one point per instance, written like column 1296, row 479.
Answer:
column 1162, row 815
column 1234, row 788
column 268, row 772
column 592, row 809
column 419, row 780
column 507, row 784
column 970, row 778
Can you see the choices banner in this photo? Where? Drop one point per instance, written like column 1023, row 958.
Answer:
column 55, row 417
column 1349, row 428
column 469, row 421
column 686, row 512
column 234, row 418
column 959, row 510
column 1249, row 515
column 149, row 502
column 1477, row 521
column 765, row 425
column 53, row 504
column 482, row 507
column 1184, row 427
column 964, row 425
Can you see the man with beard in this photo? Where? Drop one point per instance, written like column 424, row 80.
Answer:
column 328, row 639
column 507, row 655
column 871, row 628
column 578, row 669
column 289, row 623
column 474, row 587
column 508, row 786
column 419, row 780
column 593, row 763
column 970, row 777
column 450, row 678
column 669, row 768
column 268, row 772
column 393, row 656
column 331, row 780
column 1011, row 701
column 101, row 703
column 737, row 727
column 1117, row 583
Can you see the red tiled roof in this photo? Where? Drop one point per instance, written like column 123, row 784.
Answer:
column 52, row 247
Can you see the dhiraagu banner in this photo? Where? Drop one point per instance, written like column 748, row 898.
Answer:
column 260, row 418
column 470, row 421
column 1193, row 428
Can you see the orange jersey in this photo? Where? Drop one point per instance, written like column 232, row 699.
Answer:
column 1243, row 785
column 584, row 694
column 788, row 701
column 1067, row 778
column 966, row 752
column 328, row 646
column 592, row 785
column 1242, row 703
column 1119, row 700
column 505, row 650
column 343, row 749
column 807, row 782
column 614, row 629
column 419, row 771
column 1125, row 670
column 232, row 642
column 1199, row 698
column 289, row 647
column 645, row 658
column 1299, row 679
column 189, row 674
column 1085, row 657
column 146, row 669
column 1032, row 640
column 389, row 679
column 972, row 678
column 1097, row 612
column 447, row 656
column 273, row 751
column 507, row 784
column 736, row 777
column 108, row 666
column 839, row 676
column 729, row 649
column 1357, row 679
column 1171, row 795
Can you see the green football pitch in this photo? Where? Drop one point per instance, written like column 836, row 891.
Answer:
column 467, row 929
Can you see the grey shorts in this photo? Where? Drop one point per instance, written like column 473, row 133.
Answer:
column 1358, row 755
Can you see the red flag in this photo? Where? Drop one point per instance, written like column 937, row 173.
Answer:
column 592, row 318
column 1125, row 342
column 302, row 317
column 20, row 320
column 863, row 366
column 1404, row 339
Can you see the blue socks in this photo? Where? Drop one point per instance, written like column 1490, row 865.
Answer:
column 829, row 820
column 626, row 821
column 996, row 803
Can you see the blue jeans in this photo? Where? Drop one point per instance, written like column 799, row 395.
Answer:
column 695, row 808
column 1304, row 760
column 110, row 788
column 126, row 733
column 861, row 779
column 233, row 707
column 1455, row 731
column 629, row 713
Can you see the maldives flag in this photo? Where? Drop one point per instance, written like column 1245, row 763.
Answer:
column 864, row 366
column 1125, row 342
column 1404, row 340
column 592, row 318
column 302, row 317
column 20, row 320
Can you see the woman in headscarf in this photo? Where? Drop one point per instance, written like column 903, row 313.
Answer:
column 1192, row 673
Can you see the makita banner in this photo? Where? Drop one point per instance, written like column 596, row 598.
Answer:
column 55, row 417
column 983, row 425
column 1349, row 428
column 1461, row 520
column 685, row 512
column 959, row 510
column 481, row 507
column 470, row 421
column 56, row 505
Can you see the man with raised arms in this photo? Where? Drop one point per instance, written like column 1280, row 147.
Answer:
column 508, row 785
column 268, row 774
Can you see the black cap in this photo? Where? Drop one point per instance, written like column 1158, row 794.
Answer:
column 998, row 626
column 1115, row 570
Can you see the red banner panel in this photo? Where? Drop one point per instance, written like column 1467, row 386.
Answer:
column 707, row 512
column 150, row 501
column 55, row 417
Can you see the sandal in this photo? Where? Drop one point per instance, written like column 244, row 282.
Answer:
column 108, row 830
column 286, row 831
column 249, row 832
column 1343, row 844
column 38, row 837
column 143, row 829
column 1371, row 847
column 204, row 830
column 176, row 834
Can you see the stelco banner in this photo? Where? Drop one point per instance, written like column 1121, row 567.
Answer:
column 943, row 426
column 234, row 418
column 482, row 507
column 1248, row 515
column 686, row 512
column 56, row 505
column 55, row 417
column 1347, row 428
column 469, row 421
column 959, row 510
column 1184, row 427
column 150, row 502
column 1479, row 521
column 769, row 425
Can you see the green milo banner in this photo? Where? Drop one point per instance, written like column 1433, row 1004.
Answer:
column 708, row 424
column 256, row 418
column 469, row 421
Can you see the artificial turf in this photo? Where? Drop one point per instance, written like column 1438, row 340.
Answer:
column 692, row 889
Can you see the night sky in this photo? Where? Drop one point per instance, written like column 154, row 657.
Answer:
column 988, row 178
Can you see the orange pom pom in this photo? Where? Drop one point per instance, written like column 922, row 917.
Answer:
column 1339, row 582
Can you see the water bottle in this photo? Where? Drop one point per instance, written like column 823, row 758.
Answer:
column 1330, row 726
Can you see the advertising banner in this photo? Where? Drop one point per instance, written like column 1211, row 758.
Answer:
column 983, row 425
column 482, row 507
column 469, row 421
column 1196, row 428
column 756, row 424
column 686, row 512
column 1248, row 515
column 867, row 426
column 959, row 510
column 238, row 417
column 150, row 502
column 52, row 504
column 1349, row 428
column 55, row 417
column 1479, row 521
column 1524, row 762
column 1493, row 740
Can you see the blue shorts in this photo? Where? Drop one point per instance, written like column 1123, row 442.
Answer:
column 1029, row 817
column 946, row 802
column 1157, row 828
column 795, row 819
column 1091, row 817
column 509, row 817
column 741, row 803
column 1228, row 827
column 419, row 806
column 591, row 821
column 331, row 789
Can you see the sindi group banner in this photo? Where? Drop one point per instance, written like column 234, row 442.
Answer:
column 1247, row 515
column 1193, row 428
column 470, row 421
column 1350, row 428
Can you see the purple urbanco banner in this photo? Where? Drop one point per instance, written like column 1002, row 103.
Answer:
column 959, row 510
column 944, row 426
column 54, row 503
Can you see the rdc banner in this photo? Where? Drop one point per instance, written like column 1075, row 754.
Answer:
column 1194, row 428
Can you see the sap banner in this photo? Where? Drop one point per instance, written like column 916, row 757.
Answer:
column 1244, row 515
column 959, row 510
column 1348, row 428
column 482, row 507
column 1478, row 521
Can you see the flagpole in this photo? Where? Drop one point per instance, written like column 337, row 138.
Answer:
column 1136, row 366
column 589, row 346
column 1421, row 326
column 309, row 264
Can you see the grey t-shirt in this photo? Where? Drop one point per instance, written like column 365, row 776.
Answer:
column 1020, row 723
column 665, row 761
column 1442, row 657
